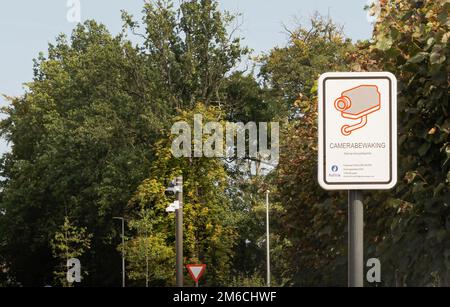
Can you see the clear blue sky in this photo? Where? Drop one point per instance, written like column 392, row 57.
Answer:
column 27, row 26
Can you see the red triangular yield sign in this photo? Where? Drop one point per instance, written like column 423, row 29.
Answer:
column 196, row 270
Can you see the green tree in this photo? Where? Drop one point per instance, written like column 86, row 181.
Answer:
column 310, row 224
column 80, row 140
column 290, row 72
column 413, row 222
column 148, row 250
column 82, row 134
column 407, row 228
column 246, row 100
column 209, row 216
column 69, row 242
column 191, row 49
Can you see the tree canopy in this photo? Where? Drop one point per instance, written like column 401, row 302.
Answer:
column 91, row 140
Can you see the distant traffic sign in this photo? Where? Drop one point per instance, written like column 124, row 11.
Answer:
column 196, row 271
column 357, row 131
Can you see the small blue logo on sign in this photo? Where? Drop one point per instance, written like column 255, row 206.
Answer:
column 334, row 168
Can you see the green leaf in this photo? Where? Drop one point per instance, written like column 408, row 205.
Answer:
column 419, row 57
column 430, row 43
column 410, row 176
column 384, row 43
column 437, row 58
column 423, row 149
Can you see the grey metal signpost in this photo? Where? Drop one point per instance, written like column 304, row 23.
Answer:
column 355, row 239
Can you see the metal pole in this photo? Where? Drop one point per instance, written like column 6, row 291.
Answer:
column 179, row 234
column 146, row 259
column 123, row 252
column 267, row 238
column 355, row 239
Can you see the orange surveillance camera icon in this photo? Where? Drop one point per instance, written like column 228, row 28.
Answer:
column 357, row 103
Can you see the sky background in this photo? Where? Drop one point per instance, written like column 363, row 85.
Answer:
column 27, row 26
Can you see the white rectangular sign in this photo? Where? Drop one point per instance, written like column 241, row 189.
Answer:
column 357, row 131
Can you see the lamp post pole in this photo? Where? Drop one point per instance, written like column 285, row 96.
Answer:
column 267, row 238
column 179, row 233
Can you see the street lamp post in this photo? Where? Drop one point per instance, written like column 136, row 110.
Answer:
column 123, row 248
column 267, row 238
column 179, row 232
column 176, row 188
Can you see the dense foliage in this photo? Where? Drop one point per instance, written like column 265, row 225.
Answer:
column 90, row 140
column 312, row 224
column 411, row 41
